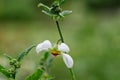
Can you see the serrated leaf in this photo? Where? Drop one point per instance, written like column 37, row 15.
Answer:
column 65, row 12
column 4, row 71
column 44, row 6
column 36, row 75
column 20, row 57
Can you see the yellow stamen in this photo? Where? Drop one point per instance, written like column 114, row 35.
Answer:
column 55, row 52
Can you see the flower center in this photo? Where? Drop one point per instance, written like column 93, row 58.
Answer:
column 55, row 52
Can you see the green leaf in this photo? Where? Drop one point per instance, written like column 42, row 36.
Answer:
column 4, row 71
column 9, row 57
column 36, row 75
column 20, row 57
column 65, row 12
column 47, row 13
column 44, row 6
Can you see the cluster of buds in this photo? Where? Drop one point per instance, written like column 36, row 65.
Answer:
column 15, row 63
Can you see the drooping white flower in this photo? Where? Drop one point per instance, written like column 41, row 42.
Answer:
column 58, row 49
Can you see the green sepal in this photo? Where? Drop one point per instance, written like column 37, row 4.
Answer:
column 4, row 71
column 25, row 52
column 36, row 75
column 65, row 12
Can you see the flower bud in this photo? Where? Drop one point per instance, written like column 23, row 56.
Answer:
column 13, row 61
column 11, row 70
column 17, row 64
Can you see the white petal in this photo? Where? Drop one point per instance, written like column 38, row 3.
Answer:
column 68, row 60
column 47, row 44
column 63, row 48
column 43, row 46
column 39, row 48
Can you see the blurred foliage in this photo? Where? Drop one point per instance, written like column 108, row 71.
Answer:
column 102, row 4
column 27, row 9
column 17, row 9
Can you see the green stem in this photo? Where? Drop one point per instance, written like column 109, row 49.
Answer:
column 72, row 73
column 62, row 39
column 59, row 30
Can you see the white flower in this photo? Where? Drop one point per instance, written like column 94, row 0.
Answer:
column 58, row 49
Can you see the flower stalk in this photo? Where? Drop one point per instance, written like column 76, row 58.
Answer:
column 72, row 73
column 62, row 40
column 59, row 30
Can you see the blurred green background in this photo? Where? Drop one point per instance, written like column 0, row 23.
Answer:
column 92, row 31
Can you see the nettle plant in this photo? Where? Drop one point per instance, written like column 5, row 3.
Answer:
column 50, row 51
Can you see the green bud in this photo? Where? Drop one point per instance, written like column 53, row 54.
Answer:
column 17, row 64
column 11, row 70
column 56, row 10
column 13, row 61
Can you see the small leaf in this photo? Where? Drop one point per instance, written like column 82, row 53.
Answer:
column 9, row 57
column 47, row 13
column 4, row 71
column 20, row 57
column 66, row 12
column 42, row 5
column 36, row 75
